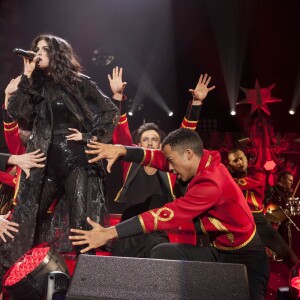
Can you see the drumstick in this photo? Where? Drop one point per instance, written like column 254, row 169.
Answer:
column 296, row 188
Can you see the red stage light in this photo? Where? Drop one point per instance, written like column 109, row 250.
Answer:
column 295, row 283
column 28, row 277
column 269, row 165
column 26, row 265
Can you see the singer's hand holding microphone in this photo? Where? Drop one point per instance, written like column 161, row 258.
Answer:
column 30, row 60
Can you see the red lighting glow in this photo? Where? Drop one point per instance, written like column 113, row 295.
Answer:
column 26, row 265
column 295, row 283
column 269, row 165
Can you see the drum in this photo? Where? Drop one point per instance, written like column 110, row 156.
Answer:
column 275, row 213
column 293, row 206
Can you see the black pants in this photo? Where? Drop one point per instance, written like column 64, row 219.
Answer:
column 74, row 192
column 273, row 240
column 140, row 245
column 256, row 261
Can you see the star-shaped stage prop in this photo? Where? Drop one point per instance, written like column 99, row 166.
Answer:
column 258, row 98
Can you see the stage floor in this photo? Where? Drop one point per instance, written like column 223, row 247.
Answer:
column 279, row 276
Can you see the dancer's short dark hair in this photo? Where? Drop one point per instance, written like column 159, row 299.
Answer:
column 145, row 127
column 182, row 139
column 284, row 174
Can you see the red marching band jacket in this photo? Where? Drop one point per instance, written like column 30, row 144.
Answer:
column 16, row 147
column 122, row 135
column 212, row 196
column 253, row 187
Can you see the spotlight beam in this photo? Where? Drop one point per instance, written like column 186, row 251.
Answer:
column 296, row 96
column 230, row 32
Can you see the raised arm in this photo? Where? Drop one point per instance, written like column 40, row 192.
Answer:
column 200, row 92
column 21, row 102
column 116, row 83
column 121, row 134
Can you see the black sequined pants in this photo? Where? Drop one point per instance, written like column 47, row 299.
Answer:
column 66, row 176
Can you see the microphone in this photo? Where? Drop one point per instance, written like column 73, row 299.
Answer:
column 24, row 53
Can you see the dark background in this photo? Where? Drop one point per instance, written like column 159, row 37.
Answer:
column 164, row 45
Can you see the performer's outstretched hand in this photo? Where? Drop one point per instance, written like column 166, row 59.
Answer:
column 201, row 90
column 6, row 227
column 116, row 84
column 110, row 152
column 28, row 161
column 94, row 238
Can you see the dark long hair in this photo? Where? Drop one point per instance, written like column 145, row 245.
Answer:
column 64, row 67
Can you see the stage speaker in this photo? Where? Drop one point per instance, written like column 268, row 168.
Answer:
column 97, row 277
